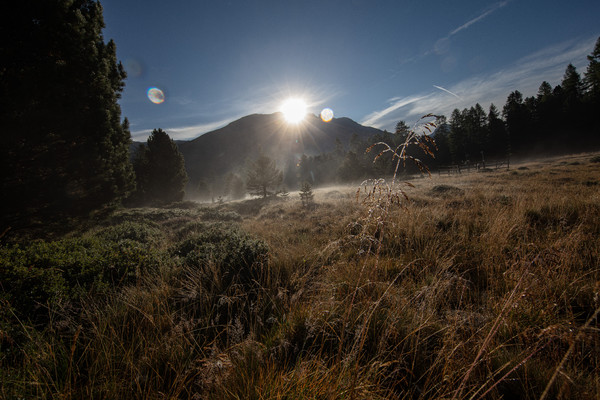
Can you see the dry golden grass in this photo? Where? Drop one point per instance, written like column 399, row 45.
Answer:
column 486, row 285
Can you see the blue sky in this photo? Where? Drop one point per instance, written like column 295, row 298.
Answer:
column 375, row 61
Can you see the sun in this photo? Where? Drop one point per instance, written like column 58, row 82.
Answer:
column 294, row 110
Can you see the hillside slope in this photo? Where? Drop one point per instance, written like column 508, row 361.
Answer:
column 227, row 149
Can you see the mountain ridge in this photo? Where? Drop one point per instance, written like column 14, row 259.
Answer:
column 217, row 153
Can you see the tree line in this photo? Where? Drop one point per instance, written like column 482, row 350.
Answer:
column 557, row 119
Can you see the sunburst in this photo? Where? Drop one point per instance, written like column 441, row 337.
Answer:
column 294, row 110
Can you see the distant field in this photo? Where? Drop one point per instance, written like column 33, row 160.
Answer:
column 479, row 285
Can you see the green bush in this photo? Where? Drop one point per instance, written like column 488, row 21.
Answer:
column 214, row 214
column 41, row 273
column 226, row 279
column 228, row 249
column 144, row 232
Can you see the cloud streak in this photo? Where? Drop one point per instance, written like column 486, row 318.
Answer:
column 525, row 75
column 447, row 91
column 467, row 24
column 442, row 42
column 376, row 117
column 185, row 132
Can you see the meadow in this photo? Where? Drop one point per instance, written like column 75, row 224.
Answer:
column 479, row 285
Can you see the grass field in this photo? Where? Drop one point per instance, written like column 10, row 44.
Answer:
column 480, row 285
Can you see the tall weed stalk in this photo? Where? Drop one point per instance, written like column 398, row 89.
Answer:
column 379, row 196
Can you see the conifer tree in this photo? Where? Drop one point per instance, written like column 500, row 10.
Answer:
column 544, row 92
column 572, row 100
column 160, row 170
column 263, row 177
column 498, row 137
column 591, row 78
column 517, row 119
column 402, row 131
column 591, row 84
column 457, row 137
column 440, row 135
column 572, row 88
column 306, row 195
column 478, row 133
column 65, row 147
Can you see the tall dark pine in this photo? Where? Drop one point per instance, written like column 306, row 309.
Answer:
column 262, row 176
column 402, row 132
column 65, row 149
column 572, row 88
column 591, row 78
column 457, row 137
column 478, row 133
column 591, row 82
column 440, row 135
column 548, row 114
column 499, row 147
column 517, row 121
column 572, row 102
column 160, row 170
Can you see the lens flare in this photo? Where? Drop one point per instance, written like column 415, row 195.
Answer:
column 156, row 95
column 327, row 114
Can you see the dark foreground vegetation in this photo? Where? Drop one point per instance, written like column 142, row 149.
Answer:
column 486, row 286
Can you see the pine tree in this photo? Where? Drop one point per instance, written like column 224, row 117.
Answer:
column 65, row 148
column 591, row 78
column 591, row 83
column 572, row 101
column 498, row 137
column 572, row 88
column 478, row 133
column 544, row 93
column 306, row 195
column 440, row 135
column 263, row 177
column 548, row 113
column 160, row 170
column 457, row 137
column 517, row 120
column 402, row 131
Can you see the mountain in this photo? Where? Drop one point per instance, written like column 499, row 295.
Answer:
column 227, row 150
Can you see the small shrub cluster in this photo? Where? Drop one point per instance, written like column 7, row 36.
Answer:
column 37, row 275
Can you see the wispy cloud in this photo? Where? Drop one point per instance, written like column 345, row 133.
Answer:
column 184, row 133
column 376, row 117
column 441, row 45
column 487, row 12
column 446, row 90
column 525, row 75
